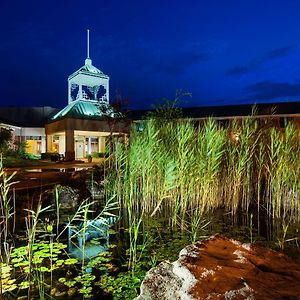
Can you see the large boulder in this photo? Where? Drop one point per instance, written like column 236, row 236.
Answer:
column 222, row 268
column 96, row 189
column 68, row 197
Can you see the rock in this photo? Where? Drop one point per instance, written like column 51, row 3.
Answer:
column 68, row 197
column 222, row 268
column 167, row 281
column 96, row 189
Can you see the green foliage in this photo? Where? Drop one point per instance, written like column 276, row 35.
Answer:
column 170, row 109
column 122, row 286
column 125, row 284
column 167, row 182
column 198, row 226
column 98, row 154
column 21, row 149
column 283, row 239
column 5, row 137
column 6, row 212
column 8, row 284
column 43, row 255
column 182, row 168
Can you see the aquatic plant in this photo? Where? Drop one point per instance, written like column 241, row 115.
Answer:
column 171, row 168
column 283, row 239
column 7, row 212
column 34, row 274
column 198, row 226
column 167, row 182
column 7, row 283
column 57, row 206
column 240, row 149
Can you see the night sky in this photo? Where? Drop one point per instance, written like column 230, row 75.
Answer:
column 223, row 52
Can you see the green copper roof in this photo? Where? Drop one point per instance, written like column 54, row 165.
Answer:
column 87, row 110
column 89, row 69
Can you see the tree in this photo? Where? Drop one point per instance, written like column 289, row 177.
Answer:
column 5, row 137
column 170, row 109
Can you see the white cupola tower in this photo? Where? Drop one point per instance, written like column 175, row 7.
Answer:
column 88, row 83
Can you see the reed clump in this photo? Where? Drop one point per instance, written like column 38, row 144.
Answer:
column 180, row 169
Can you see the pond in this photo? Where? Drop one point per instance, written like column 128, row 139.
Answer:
column 69, row 242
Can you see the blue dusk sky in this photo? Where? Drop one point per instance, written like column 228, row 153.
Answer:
column 223, row 52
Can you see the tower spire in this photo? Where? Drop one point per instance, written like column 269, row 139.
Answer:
column 88, row 43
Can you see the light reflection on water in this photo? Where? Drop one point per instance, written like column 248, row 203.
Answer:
column 40, row 170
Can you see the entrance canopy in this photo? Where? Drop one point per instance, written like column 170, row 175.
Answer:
column 81, row 127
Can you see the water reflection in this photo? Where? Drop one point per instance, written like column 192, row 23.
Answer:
column 40, row 170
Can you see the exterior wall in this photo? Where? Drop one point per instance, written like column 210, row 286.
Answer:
column 101, row 144
column 111, row 126
column 78, row 130
column 49, row 141
column 32, row 131
column 62, row 145
column 33, row 136
column 34, row 147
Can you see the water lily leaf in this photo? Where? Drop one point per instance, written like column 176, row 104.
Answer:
column 70, row 283
column 37, row 260
column 23, row 263
column 24, row 285
column 5, row 269
column 16, row 260
column 44, row 269
column 72, row 291
column 59, row 262
column 71, row 261
column 5, row 276
column 85, row 290
column 9, row 288
column 88, row 277
column 60, row 246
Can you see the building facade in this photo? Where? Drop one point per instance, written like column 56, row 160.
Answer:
column 81, row 128
column 27, row 125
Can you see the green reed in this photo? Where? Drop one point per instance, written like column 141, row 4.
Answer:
column 7, row 212
column 207, row 172
column 178, row 169
column 34, row 275
column 240, row 155
column 284, row 172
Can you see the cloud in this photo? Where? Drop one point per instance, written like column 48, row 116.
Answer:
column 178, row 63
column 266, row 90
column 151, row 57
column 239, row 70
column 278, row 52
column 167, row 59
column 274, row 54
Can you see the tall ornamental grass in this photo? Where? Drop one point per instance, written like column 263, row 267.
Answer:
column 180, row 169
